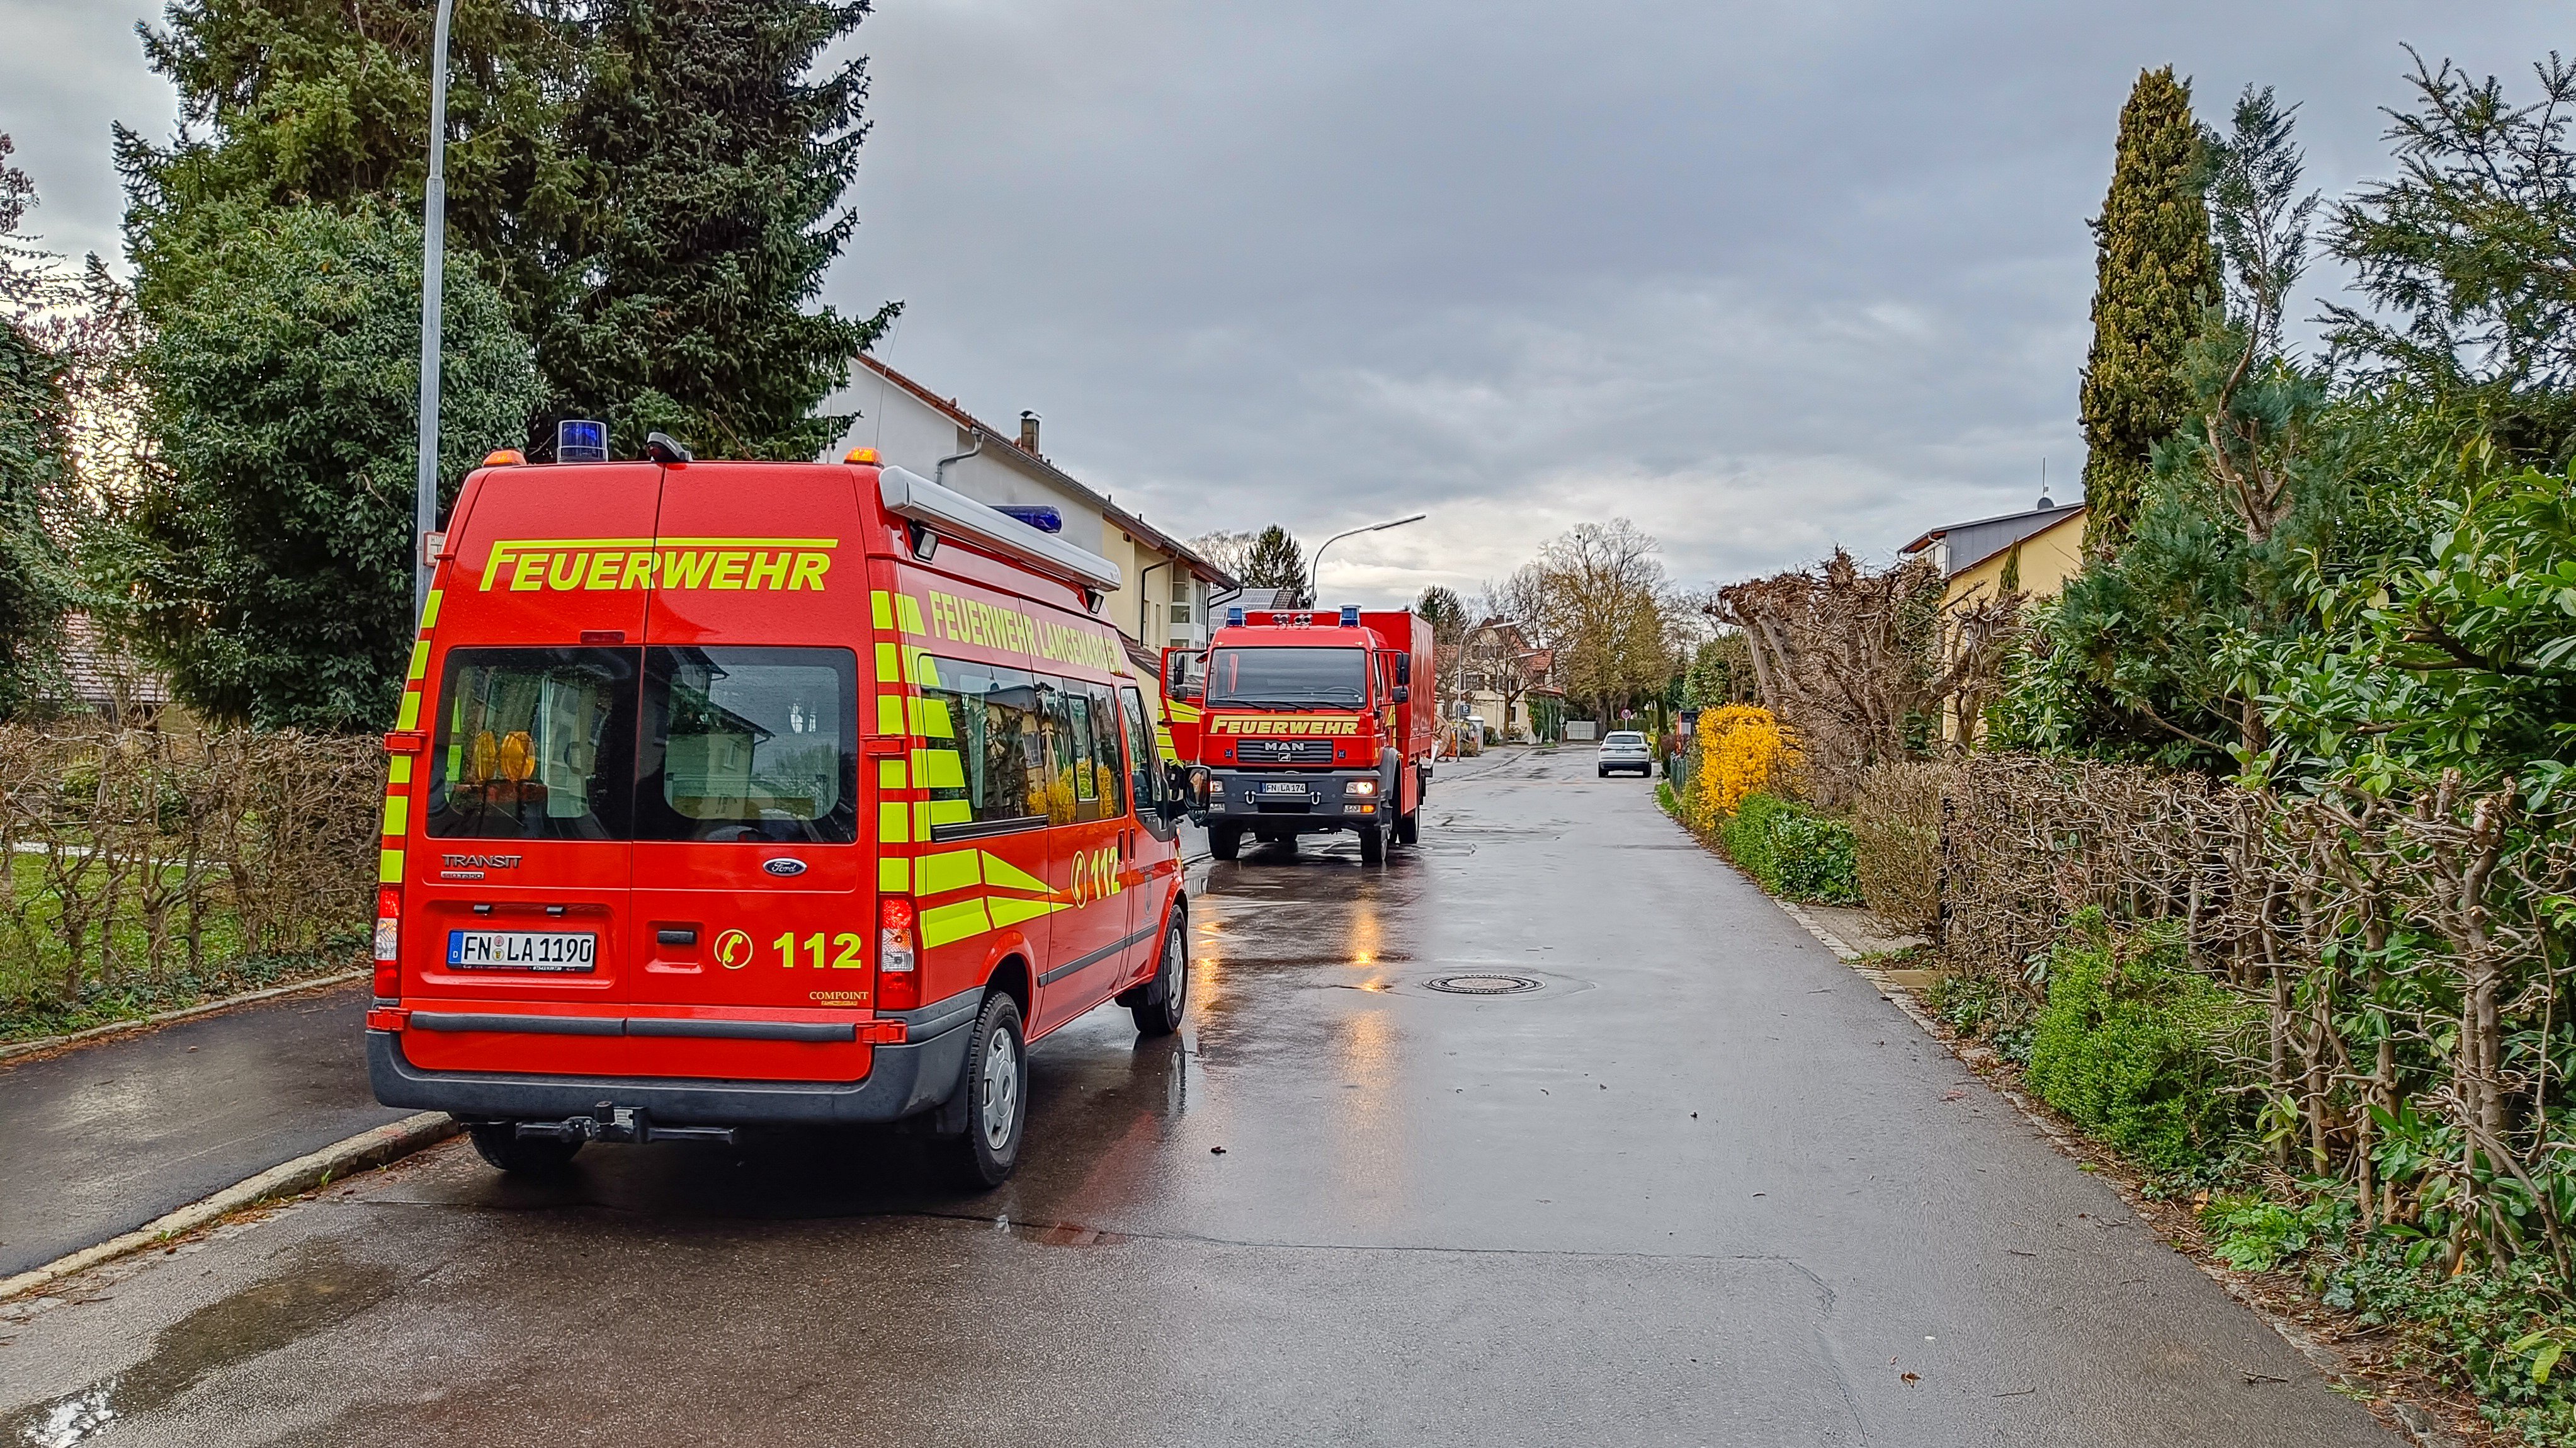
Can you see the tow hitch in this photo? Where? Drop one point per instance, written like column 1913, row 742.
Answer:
column 621, row 1123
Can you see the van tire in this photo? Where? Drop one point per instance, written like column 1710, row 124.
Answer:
column 499, row 1143
column 1225, row 841
column 995, row 1091
column 1167, row 1000
column 1372, row 845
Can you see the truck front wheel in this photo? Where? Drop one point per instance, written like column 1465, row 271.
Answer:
column 1372, row 845
column 1408, row 828
column 1225, row 841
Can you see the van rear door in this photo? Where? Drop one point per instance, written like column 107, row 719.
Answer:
column 753, row 901
column 517, row 878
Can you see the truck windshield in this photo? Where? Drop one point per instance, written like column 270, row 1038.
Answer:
column 1288, row 678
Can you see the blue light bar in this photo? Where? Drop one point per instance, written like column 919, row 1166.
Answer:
column 1234, row 618
column 1350, row 615
column 1036, row 515
column 578, row 441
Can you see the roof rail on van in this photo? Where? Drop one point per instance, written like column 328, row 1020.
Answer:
column 910, row 495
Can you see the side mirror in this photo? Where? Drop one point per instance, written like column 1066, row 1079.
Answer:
column 1402, row 694
column 1173, row 808
column 1404, row 668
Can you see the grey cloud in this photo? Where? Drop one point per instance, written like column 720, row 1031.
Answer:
column 1763, row 277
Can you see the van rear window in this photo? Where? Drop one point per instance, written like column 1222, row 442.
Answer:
column 749, row 744
column 534, row 744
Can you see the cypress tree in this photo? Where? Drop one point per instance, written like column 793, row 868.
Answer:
column 713, row 171
column 2155, row 274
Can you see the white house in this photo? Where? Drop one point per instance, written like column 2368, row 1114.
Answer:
column 1164, row 597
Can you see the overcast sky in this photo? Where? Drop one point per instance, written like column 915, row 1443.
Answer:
column 1764, row 278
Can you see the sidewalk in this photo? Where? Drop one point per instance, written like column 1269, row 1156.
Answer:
column 103, row 1138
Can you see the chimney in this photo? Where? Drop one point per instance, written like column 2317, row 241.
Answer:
column 1029, row 433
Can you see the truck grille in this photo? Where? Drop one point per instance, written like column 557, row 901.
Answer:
column 1285, row 751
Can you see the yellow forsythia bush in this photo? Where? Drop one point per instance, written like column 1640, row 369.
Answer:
column 1742, row 750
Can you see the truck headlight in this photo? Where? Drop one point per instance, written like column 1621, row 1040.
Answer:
column 1362, row 788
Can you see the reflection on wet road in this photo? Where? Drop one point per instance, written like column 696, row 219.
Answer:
column 1696, row 1184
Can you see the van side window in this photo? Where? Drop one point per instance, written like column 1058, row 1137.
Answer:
column 534, row 744
column 749, row 744
column 984, row 755
column 1069, row 723
column 1109, row 780
column 1142, row 765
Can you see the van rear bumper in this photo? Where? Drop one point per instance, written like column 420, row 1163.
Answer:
column 902, row 1081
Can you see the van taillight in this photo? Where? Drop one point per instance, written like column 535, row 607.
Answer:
column 388, row 943
column 898, row 984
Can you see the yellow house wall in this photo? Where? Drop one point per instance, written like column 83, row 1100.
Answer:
column 2049, row 557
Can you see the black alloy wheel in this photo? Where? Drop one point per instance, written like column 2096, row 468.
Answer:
column 997, row 1099
column 1167, row 1000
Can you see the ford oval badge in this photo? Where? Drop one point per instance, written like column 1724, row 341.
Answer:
column 783, row 868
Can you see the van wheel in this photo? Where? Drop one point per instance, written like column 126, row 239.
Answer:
column 499, row 1143
column 1168, row 998
column 1225, row 841
column 997, row 1099
column 1372, row 845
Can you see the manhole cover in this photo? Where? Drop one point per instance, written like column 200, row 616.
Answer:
column 1483, row 984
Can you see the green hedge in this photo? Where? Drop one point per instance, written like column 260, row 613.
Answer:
column 2128, row 1046
column 1792, row 850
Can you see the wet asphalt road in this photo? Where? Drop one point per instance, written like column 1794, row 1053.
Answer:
column 1702, row 1186
column 100, row 1140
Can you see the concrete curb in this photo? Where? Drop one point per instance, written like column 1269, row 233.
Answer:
column 2419, row 1425
column 163, row 1018
column 389, row 1142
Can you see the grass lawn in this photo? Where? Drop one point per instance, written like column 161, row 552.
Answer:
column 40, row 995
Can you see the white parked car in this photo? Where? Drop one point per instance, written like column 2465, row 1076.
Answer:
column 1625, row 749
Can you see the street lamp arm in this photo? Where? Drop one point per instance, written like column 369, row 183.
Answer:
column 1315, row 576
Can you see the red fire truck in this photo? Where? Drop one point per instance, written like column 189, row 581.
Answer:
column 729, row 793
column 1295, row 723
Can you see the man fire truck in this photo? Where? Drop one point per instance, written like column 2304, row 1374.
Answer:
column 1306, row 725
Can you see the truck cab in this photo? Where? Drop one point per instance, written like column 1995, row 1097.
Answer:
column 1306, row 725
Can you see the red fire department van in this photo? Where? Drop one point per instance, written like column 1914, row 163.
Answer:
column 1298, row 723
column 730, row 793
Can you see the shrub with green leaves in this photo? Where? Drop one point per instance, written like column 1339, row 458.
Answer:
column 2253, row 1233
column 2501, row 1331
column 1792, row 850
column 2129, row 1046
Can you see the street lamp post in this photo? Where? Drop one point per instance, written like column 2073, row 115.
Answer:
column 433, row 277
column 1315, row 579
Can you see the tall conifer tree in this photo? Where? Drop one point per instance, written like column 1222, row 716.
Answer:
column 713, row 176
column 2155, row 274
column 1276, row 561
